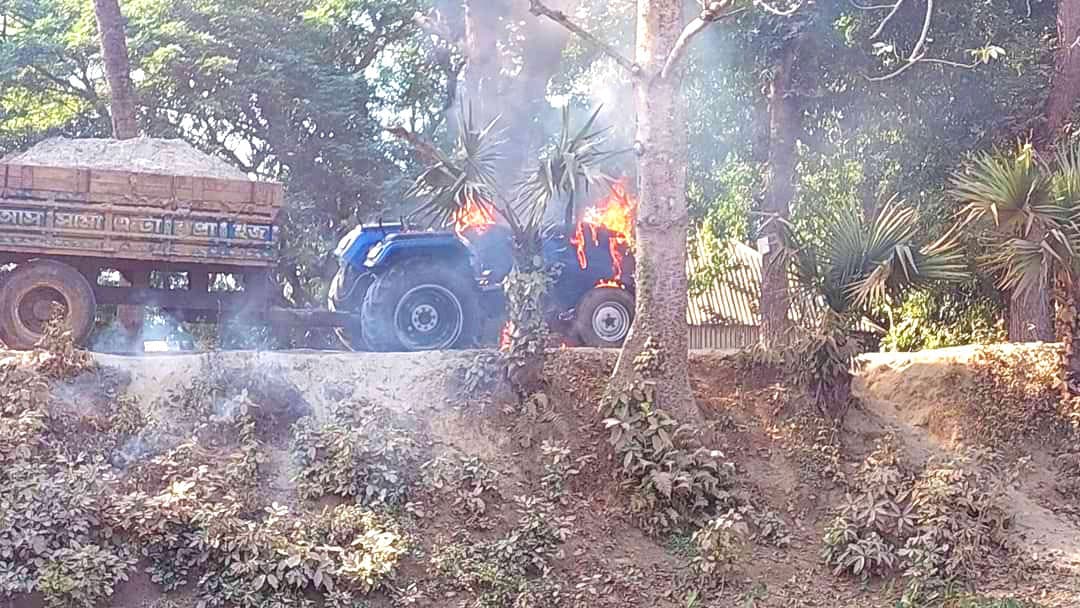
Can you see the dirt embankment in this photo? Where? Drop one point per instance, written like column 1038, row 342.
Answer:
column 788, row 466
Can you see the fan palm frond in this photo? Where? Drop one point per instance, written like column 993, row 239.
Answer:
column 861, row 264
column 572, row 166
column 1011, row 190
column 465, row 177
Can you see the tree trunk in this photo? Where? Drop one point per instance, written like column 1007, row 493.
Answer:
column 1030, row 317
column 1069, row 324
column 114, row 53
column 520, row 101
column 1065, row 87
column 662, row 222
column 784, row 127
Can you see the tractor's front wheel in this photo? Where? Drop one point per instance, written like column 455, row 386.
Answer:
column 421, row 305
column 603, row 317
column 347, row 292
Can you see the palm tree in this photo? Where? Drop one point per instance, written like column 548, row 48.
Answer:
column 467, row 179
column 1027, row 215
column 857, row 265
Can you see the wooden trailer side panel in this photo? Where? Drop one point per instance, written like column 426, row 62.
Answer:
column 140, row 189
column 134, row 216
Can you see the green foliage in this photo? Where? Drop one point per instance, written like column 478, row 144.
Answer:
column 513, row 570
column 935, row 527
column 928, row 320
column 359, row 453
column 863, row 262
column 674, row 487
column 821, row 361
column 471, row 483
column 51, row 506
column 721, row 543
column 1024, row 211
column 526, row 287
column 51, row 539
column 82, row 575
column 559, row 469
column 192, row 535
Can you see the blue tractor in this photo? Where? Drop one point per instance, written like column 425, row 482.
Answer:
column 413, row 290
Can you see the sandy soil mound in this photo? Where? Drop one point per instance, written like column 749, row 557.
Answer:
column 788, row 465
column 143, row 154
column 930, row 398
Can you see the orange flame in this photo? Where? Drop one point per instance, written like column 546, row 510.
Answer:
column 504, row 337
column 475, row 214
column 616, row 214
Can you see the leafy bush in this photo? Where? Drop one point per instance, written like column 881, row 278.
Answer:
column 720, row 544
column 192, row 533
column 821, row 361
column 472, row 484
column 511, row 570
column 559, row 469
column 82, row 575
column 930, row 320
column 935, row 527
column 673, row 487
column 360, row 453
column 50, row 534
column 61, row 358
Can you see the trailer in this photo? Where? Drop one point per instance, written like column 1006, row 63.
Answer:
column 64, row 228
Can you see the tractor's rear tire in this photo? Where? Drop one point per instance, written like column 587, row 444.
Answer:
column 421, row 305
column 347, row 292
column 603, row 317
column 26, row 299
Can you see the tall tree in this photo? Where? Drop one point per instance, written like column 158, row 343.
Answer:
column 785, row 124
column 1065, row 83
column 507, row 75
column 114, row 53
column 659, row 330
column 662, row 218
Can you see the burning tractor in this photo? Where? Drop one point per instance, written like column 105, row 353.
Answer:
column 431, row 290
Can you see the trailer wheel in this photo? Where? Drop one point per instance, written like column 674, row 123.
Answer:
column 603, row 317
column 347, row 292
column 421, row 305
column 27, row 297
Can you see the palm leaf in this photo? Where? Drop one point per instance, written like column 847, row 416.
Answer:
column 466, row 176
column 568, row 170
column 1011, row 191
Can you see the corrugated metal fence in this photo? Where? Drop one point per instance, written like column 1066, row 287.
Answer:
column 722, row 337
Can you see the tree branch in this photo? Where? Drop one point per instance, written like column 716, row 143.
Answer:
column 872, row 7
column 768, row 8
column 918, row 50
column 538, row 8
column 923, row 59
column 708, row 16
column 885, row 22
